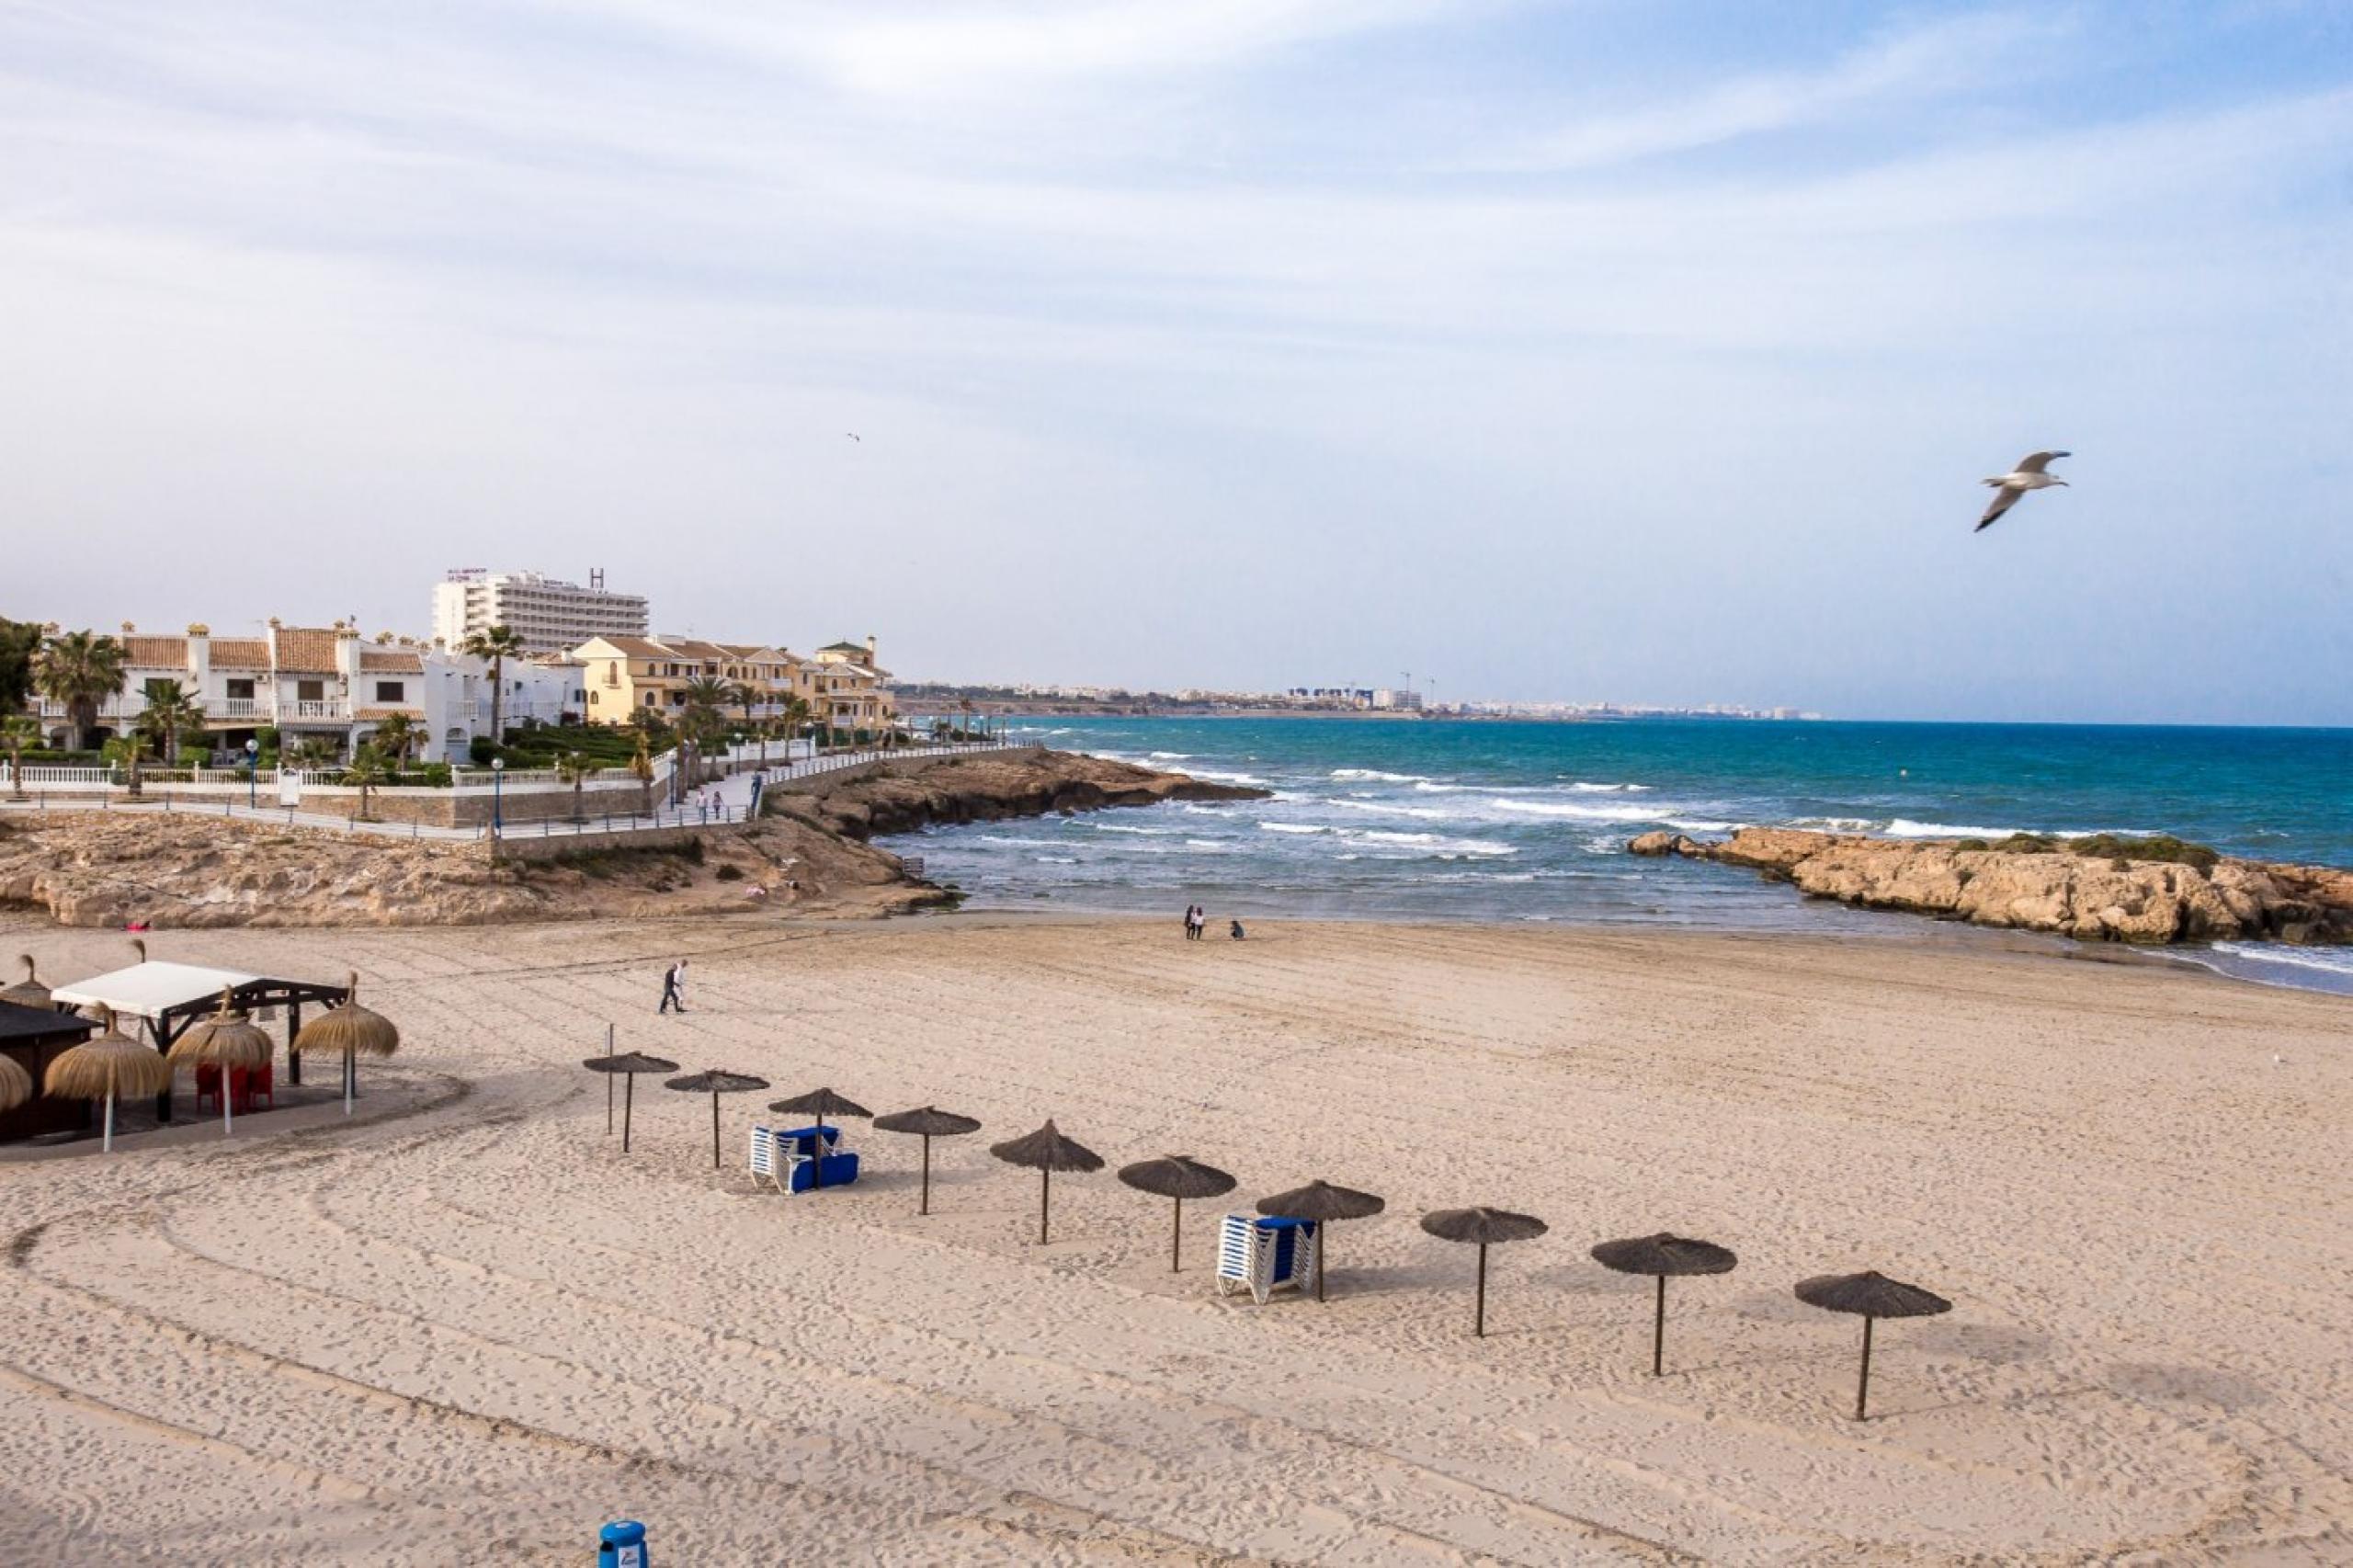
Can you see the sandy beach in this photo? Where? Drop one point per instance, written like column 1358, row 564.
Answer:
column 467, row 1328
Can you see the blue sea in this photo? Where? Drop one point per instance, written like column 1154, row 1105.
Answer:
column 1528, row 822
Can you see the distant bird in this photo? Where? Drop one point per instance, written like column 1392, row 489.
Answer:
column 2029, row 475
column 861, row 440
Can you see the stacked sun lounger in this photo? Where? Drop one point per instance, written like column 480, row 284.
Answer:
column 802, row 1159
column 1264, row 1254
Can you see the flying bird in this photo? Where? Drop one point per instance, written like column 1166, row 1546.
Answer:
column 2031, row 474
column 861, row 440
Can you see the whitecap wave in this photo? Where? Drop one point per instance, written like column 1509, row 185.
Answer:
column 1434, row 841
column 1374, row 774
column 2326, row 960
column 1226, row 777
column 1700, row 825
column 1129, row 828
column 1580, row 814
column 1170, row 755
column 1581, row 787
column 1380, row 808
column 1290, row 827
column 1904, row 828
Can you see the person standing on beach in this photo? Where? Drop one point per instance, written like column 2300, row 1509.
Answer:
column 674, row 988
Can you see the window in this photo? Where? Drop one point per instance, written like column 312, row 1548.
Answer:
column 310, row 691
column 240, row 690
column 154, row 687
column 392, row 691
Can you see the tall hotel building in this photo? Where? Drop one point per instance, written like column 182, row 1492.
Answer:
column 550, row 617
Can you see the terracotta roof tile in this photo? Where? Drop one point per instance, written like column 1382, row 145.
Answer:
column 637, row 647
column 240, row 654
column 308, row 649
column 155, row 653
column 396, row 660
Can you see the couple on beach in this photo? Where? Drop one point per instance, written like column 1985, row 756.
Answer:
column 1196, row 921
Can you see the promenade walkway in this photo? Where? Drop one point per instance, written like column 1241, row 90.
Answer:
column 730, row 798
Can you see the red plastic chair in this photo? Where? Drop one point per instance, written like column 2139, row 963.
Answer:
column 260, row 1084
column 208, row 1085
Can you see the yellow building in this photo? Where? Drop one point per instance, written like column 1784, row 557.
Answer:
column 624, row 675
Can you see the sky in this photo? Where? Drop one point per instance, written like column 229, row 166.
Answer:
column 1639, row 350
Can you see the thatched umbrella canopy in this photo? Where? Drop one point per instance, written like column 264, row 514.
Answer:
column 28, row 992
column 350, row 1031
column 1870, row 1295
column 715, row 1084
column 107, row 1067
column 926, row 1122
column 1179, row 1177
column 1321, row 1202
column 16, row 1083
column 1482, row 1228
column 1046, row 1151
column 630, row 1063
column 227, row 1041
column 1661, row 1255
column 819, row 1103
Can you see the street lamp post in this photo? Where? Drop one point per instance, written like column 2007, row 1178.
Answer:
column 252, row 773
column 497, row 778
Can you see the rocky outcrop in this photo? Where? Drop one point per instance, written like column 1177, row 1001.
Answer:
column 990, row 788
column 809, row 856
column 2095, row 898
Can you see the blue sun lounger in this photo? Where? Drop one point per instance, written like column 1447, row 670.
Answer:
column 1264, row 1254
column 795, row 1158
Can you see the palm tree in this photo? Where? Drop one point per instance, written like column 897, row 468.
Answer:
column 966, row 704
column 21, row 729
column 499, row 644
column 369, row 768
column 747, row 697
column 640, row 768
column 396, row 736
column 796, row 718
column 308, row 753
column 170, row 714
column 705, row 697
column 574, row 769
column 80, row 669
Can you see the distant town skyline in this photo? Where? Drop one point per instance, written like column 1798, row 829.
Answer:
column 1654, row 349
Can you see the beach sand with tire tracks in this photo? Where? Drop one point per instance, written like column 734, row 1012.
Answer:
column 465, row 1327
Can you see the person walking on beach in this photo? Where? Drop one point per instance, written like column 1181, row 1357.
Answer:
column 674, row 988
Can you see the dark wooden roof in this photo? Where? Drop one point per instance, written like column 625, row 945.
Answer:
column 38, row 1023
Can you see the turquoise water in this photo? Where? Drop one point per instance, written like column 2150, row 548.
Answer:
column 1404, row 819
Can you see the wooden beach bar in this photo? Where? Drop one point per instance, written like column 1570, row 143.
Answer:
column 167, row 998
column 32, row 1037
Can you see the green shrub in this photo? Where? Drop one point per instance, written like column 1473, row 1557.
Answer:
column 730, row 873
column 480, row 750
column 2163, row 847
column 1976, row 844
column 2028, row 844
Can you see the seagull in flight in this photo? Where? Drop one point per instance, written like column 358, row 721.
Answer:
column 861, row 440
column 2032, row 474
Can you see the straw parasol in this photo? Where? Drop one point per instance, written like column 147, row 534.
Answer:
column 1661, row 1255
column 1046, row 1151
column 16, row 1083
column 350, row 1031
column 1870, row 1295
column 1483, row 1228
column 926, row 1122
column 630, row 1063
column 819, row 1103
column 108, row 1067
column 227, row 1041
column 715, row 1084
column 1179, row 1177
column 28, row 992
column 1321, row 1202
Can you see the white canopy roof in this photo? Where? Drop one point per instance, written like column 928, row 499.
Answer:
column 147, row 990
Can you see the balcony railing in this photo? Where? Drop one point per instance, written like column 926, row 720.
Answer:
column 313, row 708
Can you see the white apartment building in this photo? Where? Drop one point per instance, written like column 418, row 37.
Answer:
column 550, row 617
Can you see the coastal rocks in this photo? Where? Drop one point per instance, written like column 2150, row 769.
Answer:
column 2094, row 898
column 993, row 789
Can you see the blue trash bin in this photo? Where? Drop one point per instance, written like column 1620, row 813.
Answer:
column 623, row 1545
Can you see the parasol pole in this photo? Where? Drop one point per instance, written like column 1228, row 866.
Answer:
column 628, row 1095
column 1478, row 1319
column 925, row 1207
column 1863, row 1389
column 1177, row 1239
column 714, row 1129
column 609, row 1082
column 1658, row 1330
column 1045, row 1200
column 106, row 1146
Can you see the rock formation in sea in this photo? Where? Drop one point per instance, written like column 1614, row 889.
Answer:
column 2110, row 897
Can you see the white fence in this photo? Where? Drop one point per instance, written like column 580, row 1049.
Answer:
column 227, row 793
